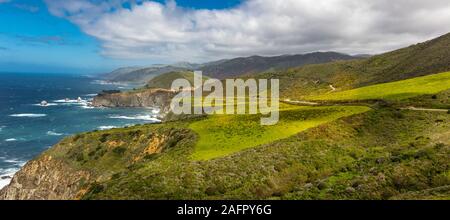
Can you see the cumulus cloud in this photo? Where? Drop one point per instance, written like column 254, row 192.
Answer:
column 148, row 29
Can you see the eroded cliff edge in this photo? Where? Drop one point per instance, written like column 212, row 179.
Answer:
column 157, row 98
column 82, row 163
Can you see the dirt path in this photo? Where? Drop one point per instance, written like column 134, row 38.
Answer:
column 299, row 102
column 425, row 109
column 412, row 108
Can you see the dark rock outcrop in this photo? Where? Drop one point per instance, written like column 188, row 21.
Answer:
column 157, row 98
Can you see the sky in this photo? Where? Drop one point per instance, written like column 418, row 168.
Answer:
column 93, row 36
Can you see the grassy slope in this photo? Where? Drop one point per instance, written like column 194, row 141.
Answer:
column 380, row 154
column 165, row 80
column 417, row 60
column 398, row 90
column 221, row 135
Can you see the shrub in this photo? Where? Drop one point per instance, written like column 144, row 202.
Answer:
column 104, row 138
column 79, row 157
column 119, row 150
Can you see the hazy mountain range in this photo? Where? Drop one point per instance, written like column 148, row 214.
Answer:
column 227, row 68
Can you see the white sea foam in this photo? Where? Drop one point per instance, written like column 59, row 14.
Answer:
column 52, row 133
column 107, row 127
column 15, row 161
column 47, row 105
column 103, row 82
column 10, row 139
column 136, row 117
column 70, row 101
column 155, row 111
column 1, row 127
column 87, row 107
column 6, row 174
column 29, row 115
column 86, row 104
column 90, row 95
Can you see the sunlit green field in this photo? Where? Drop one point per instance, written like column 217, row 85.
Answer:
column 221, row 135
column 399, row 90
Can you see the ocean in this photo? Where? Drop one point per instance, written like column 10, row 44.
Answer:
column 28, row 128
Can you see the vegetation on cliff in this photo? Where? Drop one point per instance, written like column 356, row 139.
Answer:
column 422, row 59
column 164, row 81
column 221, row 135
column 378, row 150
column 403, row 89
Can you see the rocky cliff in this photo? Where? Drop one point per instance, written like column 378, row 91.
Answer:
column 159, row 98
column 45, row 178
column 80, row 164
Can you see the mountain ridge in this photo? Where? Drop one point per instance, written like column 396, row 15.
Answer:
column 226, row 68
column 417, row 60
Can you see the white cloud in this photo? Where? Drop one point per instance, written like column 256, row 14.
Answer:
column 264, row 27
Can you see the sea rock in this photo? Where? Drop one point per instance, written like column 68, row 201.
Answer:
column 157, row 98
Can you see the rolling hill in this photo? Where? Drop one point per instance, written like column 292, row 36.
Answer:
column 398, row 90
column 140, row 75
column 372, row 151
column 254, row 64
column 417, row 60
column 225, row 68
column 165, row 80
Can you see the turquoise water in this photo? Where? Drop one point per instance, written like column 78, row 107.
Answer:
column 27, row 128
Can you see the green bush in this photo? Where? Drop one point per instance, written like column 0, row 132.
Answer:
column 119, row 150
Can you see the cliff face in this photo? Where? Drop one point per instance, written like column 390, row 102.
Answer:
column 46, row 178
column 159, row 98
column 80, row 164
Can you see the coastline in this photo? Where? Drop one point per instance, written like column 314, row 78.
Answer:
column 29, row 115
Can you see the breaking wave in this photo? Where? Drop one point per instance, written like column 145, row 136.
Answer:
column 107, row 127
column 10, row 139
column 137, row 117
column 28, row 115
column 6, row 174
column 47, row 105
column 52, row 133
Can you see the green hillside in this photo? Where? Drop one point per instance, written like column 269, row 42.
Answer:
column 221, row 135
column 383, row 154
column 315, row 153
column 398, row 90
column 417, row 60
column 165, row 80
column 377, row 150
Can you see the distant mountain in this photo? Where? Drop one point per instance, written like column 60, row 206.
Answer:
column 225, row 68
column 417, row 60
column 165, row 80
column 421, row 59
column 254, row 64
column 119, row 72
column 141, row 75
column 363, row 55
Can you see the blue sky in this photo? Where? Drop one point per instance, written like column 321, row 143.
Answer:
column 33, row 40
column 92, row 36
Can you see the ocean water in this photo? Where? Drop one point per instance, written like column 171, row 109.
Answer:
column 27, row 128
